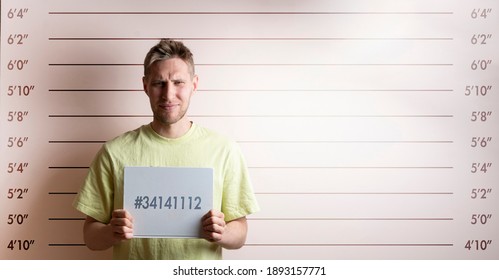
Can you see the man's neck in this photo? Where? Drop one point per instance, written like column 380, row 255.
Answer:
column 172, row 131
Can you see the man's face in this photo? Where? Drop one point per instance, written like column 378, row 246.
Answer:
column 169, row 86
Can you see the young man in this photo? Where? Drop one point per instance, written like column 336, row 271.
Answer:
column 170, row 140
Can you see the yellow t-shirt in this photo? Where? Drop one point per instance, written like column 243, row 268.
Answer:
column 102, row 191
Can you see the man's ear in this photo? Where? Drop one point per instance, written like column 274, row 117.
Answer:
column 144, row 85
column 195, row 81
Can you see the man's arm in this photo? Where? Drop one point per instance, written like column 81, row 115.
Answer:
column 230, row 235
column 100, row 236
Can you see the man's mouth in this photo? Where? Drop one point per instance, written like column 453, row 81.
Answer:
column 168, row 107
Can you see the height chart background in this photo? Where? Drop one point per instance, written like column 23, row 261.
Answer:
column 370, row 127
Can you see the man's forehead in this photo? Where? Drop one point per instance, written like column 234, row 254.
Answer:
column 169, row 67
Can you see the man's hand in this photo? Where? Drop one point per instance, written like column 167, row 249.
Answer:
column 230, row 235
column 99, row 236
column 213, row 226
column 122, row 224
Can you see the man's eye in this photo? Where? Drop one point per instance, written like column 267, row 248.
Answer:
column 178, row 83
column 158, row 84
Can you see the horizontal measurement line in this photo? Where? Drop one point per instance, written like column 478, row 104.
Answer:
column 260, row 116
column 351, row 167
column 323, row 116
column 351, row 219
column 317, row 193
column 76, row 142
column 250, row 39
column 97, row 64
column 354, row 193
column 63, row 193
column 264, row 90
column 66, row 219
column 277, row 142
column 327, row 64
column 347, row 142
column 354, row 245
column 68, row 167
column 305, row 167
column 262, row 64
column 113, row 90
column 99, row 116
column 248, row 13
column 66, row 244
column 326, row 90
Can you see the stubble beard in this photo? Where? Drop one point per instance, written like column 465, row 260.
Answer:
column 165, row 119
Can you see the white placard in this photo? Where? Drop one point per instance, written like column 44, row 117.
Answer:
column 168, row 201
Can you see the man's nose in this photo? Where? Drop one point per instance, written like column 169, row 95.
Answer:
column 168, row 91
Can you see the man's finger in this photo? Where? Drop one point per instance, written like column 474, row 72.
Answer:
column 122, row 213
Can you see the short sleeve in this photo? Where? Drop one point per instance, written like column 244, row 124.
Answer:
column 238, row 198
column 96, row 196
